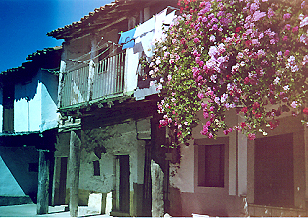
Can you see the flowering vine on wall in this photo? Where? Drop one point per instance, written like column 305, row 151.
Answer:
column 245, row 54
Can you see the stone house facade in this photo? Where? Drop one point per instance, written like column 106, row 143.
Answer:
column 28, row 127
column 109, row 141
column 109, row 125
column 234, row 176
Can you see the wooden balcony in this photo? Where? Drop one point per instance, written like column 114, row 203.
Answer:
column 102, row 80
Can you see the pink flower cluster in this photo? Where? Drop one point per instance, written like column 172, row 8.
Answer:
column 216, row 60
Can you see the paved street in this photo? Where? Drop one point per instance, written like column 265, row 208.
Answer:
column 29, row 210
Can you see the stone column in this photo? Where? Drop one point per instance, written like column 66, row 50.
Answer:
column 56, row 181
column 157, row 190
column 74, row 163
column 147, row 190
column 43, row 183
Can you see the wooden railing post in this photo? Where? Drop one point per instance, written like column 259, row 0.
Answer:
column 90, row 80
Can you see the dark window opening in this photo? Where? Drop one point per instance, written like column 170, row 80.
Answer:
column 33, row 167
column 211, row 165
column 274, row 177
column 96, row 168
column 8, row 108
column 124, row 183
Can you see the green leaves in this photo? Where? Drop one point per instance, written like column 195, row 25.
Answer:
column 216, row 57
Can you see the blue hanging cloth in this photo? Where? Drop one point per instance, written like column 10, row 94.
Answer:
column 127, row 39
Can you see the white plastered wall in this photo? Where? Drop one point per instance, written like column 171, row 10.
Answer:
column 35, row 105
column 237, row 183
column 49, row 91
column 27, row 106
column 1, row 109
column 11, row 188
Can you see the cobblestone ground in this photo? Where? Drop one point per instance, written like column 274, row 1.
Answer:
column 29, row 210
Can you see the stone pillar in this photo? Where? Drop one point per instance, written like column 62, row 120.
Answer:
column 157, row 190
column 43, row 183
column 74, row 163
column 56, row 181
column 242, row 162
column 147, row 190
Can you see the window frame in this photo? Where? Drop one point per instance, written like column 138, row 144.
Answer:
column 96, row 168
column 206, row 141
column 207, row 175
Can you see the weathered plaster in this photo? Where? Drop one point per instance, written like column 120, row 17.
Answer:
column 120, row 139
column 182, row 175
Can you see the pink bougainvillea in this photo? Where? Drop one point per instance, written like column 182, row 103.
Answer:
column 240, row 54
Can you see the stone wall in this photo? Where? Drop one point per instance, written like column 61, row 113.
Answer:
column 102, row 144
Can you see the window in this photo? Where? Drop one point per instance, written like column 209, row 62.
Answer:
column 96, row 168
column 211, row 165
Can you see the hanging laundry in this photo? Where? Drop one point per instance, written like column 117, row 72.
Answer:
column 169, row 19
column 159, row 20
column 127, row 39
column 144, row 34
column 138, row 47
column 147, row 43
column 145, row 27
column 167, row 22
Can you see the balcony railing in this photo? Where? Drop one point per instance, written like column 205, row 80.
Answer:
column 109, row 76
column 107, row 80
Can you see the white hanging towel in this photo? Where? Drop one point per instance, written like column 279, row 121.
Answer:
column 144, row 34
column 159, row 20
column 170, row 17
column 167, row 22
column 147, row 43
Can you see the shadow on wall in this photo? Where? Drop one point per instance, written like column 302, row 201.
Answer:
column 28, row 88
column 23, row 164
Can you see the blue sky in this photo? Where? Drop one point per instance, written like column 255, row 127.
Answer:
column 24, row 24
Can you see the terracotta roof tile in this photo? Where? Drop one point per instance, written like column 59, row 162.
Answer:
column 31, row 58
column 103, row 15
column 63, row 32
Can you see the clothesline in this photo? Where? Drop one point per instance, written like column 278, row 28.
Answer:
column 84, row 55
column 143, row 37
column 88, row 61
